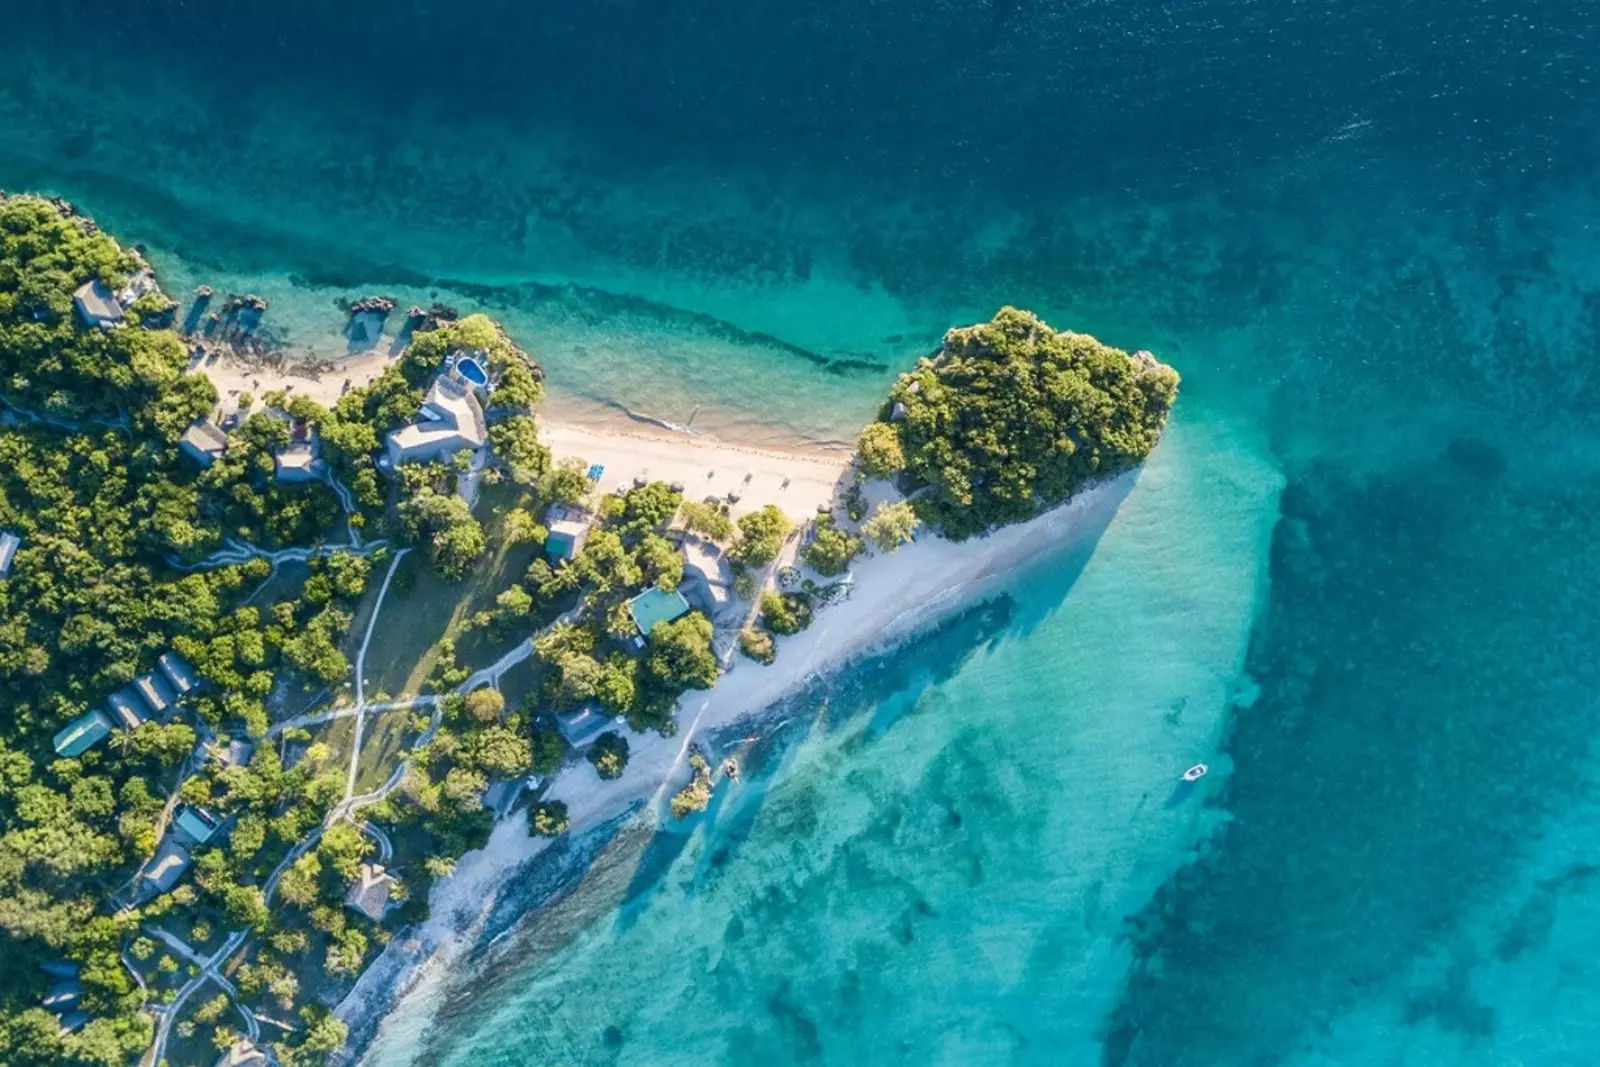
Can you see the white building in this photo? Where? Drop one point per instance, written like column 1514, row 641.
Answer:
column 451, row 420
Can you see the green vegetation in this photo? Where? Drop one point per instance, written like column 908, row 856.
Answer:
column 708, row 519
column 879, row 451
column 891, row 526
column 697, row 794
column 831, row 549
column 785, row 613
column 549, row 818
column 1012, row 417
column 757, row 645
column 609, row 754
column 117, row 526
column 761, row 536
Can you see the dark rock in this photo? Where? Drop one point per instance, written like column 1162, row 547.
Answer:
column 380, row 305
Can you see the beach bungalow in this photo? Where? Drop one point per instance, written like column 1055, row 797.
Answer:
column 156, row 694
column 127, row 708
column 177, row 672
column 72, row 1022
column 582, row 726
column 243, row 1053
column 569, row 528
column 82, row 734
column 9, row 543
column 655, row 606
column 203, row 442
column 233, row 754
column 369, row 894
column 61, row 969
column 164, row 869
column 96, row 305
column 196, row 826
column 707, row 578
column 301, row 460
column 450, row 421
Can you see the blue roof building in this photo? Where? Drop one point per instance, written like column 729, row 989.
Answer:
column 156, row 693
column 82, row 734
column 178, row 673
column 582, row 726
column 127, row 708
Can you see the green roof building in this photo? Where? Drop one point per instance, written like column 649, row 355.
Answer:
column 83, row 733
column 655, row 606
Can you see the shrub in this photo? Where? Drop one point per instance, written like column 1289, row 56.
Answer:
column 609, row 754
column 785, row 613
column 891, row 526
column 831, row 549
column 757, row 645
column 549, row 818
column 761, row 536
column 879, row 451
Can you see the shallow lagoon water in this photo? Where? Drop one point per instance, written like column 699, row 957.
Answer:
column 1365, row 233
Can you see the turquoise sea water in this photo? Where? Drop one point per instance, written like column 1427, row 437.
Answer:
column 1357, row 576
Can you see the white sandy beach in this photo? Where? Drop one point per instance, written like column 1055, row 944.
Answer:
column 796, row 479
column 895, row 595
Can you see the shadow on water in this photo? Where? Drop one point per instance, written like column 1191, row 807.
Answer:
column 884, row 688
column 899, row 679
column 620, row 874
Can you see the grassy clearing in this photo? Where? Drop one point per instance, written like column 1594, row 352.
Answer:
column 382, row 743
column 422, row 608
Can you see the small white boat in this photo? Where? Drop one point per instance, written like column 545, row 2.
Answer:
column 1195, row 773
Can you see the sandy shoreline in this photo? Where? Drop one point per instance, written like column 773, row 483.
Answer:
column 797, row 478
column 896, row 595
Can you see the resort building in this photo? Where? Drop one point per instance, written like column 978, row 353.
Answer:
column 203, row 442
column 243, row 1053
column 569, row 528
column 233, row 754
column 707, row 578
column 163, row 871
column 582, row 726
column 82, row 734
column 96, row 305
column 300, row 461
column 450, row 421
column 9, row 543
column 156, row 694
column 655, row 606
column 178, row 673
column 127, row 708
column 196, row 826
column 370, row 893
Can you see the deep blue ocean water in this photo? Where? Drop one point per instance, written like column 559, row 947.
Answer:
column 1359, row 575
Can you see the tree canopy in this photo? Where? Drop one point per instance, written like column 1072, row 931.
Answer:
column 1012, row 417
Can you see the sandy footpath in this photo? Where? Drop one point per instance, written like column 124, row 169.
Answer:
column 895, row 595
